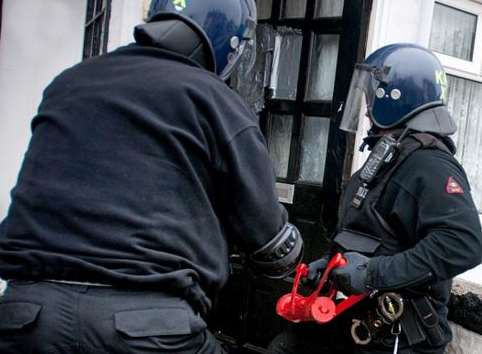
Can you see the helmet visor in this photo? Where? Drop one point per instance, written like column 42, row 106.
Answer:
column 245, row 46
column 360, row 93
column 246, row 50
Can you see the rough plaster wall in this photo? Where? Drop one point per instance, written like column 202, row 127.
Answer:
column 39, row 39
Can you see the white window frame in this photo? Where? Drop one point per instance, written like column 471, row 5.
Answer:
column 471, row 70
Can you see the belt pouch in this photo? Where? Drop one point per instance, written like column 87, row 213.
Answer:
column 411, row 325
column 429, row 319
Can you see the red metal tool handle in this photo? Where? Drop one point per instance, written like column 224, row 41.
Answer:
column 295, row 307
column 336, row 261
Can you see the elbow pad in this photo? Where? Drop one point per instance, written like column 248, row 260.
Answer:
column 280, row 256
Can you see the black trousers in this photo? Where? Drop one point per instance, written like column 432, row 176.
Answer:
column 51, row 318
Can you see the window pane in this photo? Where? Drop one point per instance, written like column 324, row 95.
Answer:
column 279, row 142
column 96, row 31
column 286, row 63
column 329, row 8
column 99, row 6
column 453, row 32
column 89, row 31
column 314, row 147
column 465, row 104
column 250, row 79
column 294, row 9
column 321, row 81
column 264, row 9
column 90, row 10
column 97, row 39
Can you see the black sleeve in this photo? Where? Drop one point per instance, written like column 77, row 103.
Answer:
column 447, row 232
column 251, row 212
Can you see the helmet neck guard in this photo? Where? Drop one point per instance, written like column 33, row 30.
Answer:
column 436, row 120
column 179, row 34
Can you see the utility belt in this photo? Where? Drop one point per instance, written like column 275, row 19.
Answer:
column 390, row 315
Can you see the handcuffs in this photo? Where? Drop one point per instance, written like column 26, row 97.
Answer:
column 389, row 310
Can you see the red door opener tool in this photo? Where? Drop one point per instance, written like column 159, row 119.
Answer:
column 295, row 307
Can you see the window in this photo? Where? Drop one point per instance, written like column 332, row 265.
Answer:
column 96, row 27
column 453, row 32
column 322, row 71
column 293, row 9
column 298, row 45
column 456, row 37
column 295, row 83
column 314, row 148
column 465, row 104
column 329, row 8
column 264, row 9
column 284, row 80
column 280, row 131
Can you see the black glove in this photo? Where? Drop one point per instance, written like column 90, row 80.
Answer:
column 351, row 279
column 315, row 271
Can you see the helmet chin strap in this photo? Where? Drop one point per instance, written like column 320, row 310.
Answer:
column 375, row 134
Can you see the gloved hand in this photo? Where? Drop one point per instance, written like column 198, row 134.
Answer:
column 351, row 279
column 315, row 271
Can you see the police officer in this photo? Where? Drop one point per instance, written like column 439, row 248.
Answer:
column 143, row 167
column 407, row 222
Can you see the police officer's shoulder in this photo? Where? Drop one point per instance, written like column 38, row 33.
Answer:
column 430, row 169
column 214, row 92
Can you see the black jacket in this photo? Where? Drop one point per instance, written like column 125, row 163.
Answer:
column 421, row 212
column 142, row 167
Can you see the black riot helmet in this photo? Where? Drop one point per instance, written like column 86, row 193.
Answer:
column 227, row 26
column 403, row 86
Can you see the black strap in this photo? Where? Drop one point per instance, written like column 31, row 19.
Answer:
column 429, row 319
column 411, row 326
column 409, row 145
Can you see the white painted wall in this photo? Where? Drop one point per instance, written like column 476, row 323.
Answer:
column 39, row 39
column 125, row 15
column 395, row 21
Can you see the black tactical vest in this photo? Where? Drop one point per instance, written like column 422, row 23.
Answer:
column 361, row 227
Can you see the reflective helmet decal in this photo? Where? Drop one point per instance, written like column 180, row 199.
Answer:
column 180, row 4
column 441, row 80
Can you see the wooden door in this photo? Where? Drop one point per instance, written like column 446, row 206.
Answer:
column 307, row 50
